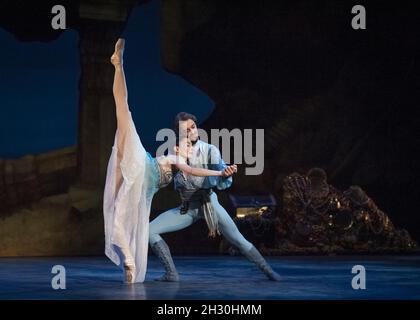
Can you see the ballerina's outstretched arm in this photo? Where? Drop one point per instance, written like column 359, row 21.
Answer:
column 201, row 172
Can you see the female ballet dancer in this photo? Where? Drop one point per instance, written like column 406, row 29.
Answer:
column 133, row 177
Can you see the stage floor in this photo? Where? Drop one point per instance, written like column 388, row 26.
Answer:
column 215, row 277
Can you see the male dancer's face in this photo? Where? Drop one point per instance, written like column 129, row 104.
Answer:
column 188, row 128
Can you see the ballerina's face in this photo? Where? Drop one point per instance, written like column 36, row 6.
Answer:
column 184, row 149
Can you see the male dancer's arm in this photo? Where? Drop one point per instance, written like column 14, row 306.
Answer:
column 215, row 162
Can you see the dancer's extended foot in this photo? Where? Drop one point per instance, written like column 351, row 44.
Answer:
column 117, row 56
column 169, row 277
column 161, row 250
column 129, row 273
column 254, row 256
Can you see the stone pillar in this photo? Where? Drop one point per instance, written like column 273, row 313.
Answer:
column 101, row 23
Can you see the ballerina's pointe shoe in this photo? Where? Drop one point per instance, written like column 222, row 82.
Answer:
column 117, row 56
column 129, row 273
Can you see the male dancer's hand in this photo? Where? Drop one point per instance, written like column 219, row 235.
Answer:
column 229, row 170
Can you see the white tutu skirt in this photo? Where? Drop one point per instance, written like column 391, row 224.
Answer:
column 131, row 181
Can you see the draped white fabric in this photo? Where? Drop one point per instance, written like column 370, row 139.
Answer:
column 126, row 205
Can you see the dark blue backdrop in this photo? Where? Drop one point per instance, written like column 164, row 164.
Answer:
column 39, row 88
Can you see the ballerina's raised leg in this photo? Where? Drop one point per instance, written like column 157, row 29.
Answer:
column 123, row 115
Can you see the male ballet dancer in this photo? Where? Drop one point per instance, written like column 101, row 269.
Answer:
column 199, row 201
